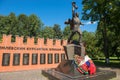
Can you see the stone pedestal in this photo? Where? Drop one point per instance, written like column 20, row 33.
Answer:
column 67, row 67
column 100, row 75
column 67, row 71
column 72, row 49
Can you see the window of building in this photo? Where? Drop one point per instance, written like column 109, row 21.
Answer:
column 6, row 59
column 50, row 58
column 34, row 58
column 62, row 57
column 25, row 59
column 56, row 58
column 42, row 58
column 16, row 59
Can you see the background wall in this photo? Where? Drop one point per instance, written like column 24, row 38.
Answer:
column 16, row 56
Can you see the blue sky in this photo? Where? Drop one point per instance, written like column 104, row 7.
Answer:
column 49, row 11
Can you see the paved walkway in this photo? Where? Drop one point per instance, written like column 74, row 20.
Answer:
column 117, row 70
column 23, row 75
column 36, row 75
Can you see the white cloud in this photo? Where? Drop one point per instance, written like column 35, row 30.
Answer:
column 87, row 23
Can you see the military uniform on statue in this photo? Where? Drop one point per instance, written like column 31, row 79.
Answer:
column 74, row 24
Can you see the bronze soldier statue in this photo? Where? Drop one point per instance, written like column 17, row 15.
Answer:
column 74, row 23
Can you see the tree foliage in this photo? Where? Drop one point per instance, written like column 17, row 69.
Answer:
column 35, row 25
column 107, row 13
column 57, row 31
column 66, row 32
column 21, row 25
column 48, row 32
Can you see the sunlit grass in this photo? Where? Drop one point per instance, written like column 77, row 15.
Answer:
column 114, row 62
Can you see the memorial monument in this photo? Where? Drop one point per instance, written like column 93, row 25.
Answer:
column 74, row 47
column 77, row 66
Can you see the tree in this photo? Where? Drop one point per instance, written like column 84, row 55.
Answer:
column 8, row 24
column 35, row 25
column 48, row 32
column 58, row 32
column 13, row 24
column 1, row 26
column 91, row 48
column 23, row 25
column 102, row 11
column 66, row 32
column 30, row 25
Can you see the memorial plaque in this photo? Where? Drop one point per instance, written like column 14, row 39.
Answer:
column 34, row 58
column 71, row 50
column 62, row 57
column 16, row 59
column 26, row 59
column 6, row 59
column 42, row 58
column 56, row 58
column 50, row 58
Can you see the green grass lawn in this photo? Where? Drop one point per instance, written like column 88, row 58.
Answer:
column 113, row 63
